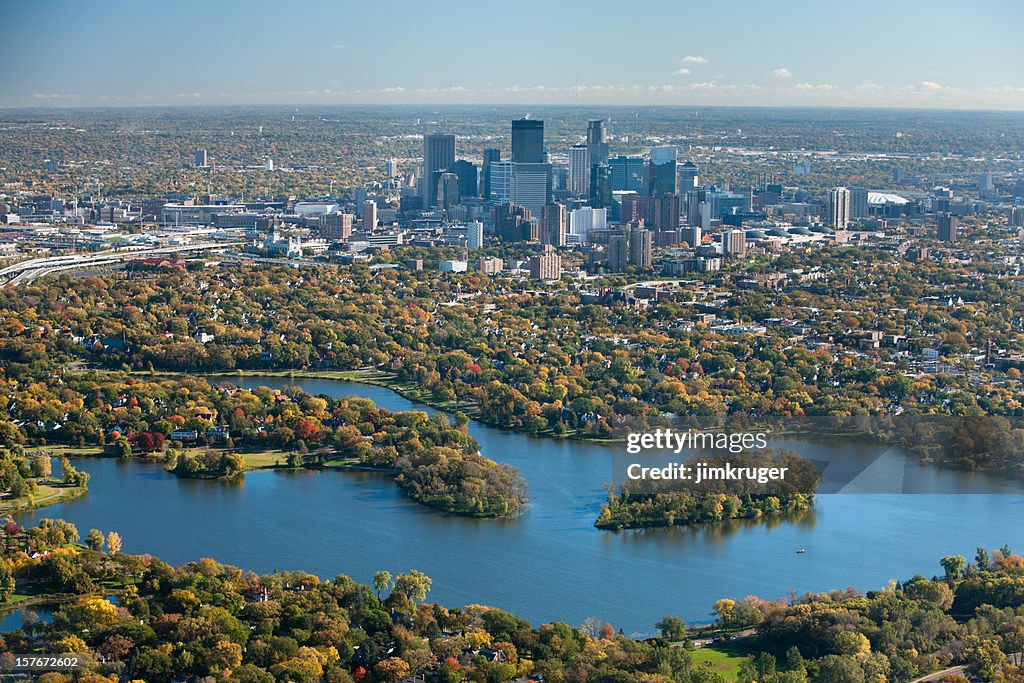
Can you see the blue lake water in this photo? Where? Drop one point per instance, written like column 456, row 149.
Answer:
column 550, row 563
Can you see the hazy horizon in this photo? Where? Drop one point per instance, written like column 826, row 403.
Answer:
column 876, row 54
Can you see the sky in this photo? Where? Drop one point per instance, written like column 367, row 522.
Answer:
column 868, row 53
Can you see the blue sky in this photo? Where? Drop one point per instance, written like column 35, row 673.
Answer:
column 905, row 53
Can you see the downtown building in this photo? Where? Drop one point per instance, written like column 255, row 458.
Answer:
column 438, row 156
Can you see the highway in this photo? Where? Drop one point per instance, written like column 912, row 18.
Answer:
column 26, row 271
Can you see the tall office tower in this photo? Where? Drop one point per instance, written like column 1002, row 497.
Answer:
column 546, row 266
column 528, row 141
column 467, row 172
column 392, row 168
column 837, row 208
column 641, row 245
column 858, row 203
column 688, row 179
column 948, row 224
column 491, row 155
column 618, row 252
column 499, row 181
column 692, row 235
column 600, row 186
column 734, row 243
column 474, row 234
column 693, row 201
column 666, row 212
column 597, row 142
column 438, row 154
column 579, row 171
column 660, row 172
column 530, row 185
column 586, row 219
column 447, row 190
column 202, row 160
column 1016, row 216
column 985, row 184
column 369, row 215
column 552, row 225
column 627, row 173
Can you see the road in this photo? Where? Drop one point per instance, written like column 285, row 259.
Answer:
column 26, row 271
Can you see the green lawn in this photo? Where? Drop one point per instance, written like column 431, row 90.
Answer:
column 257, row 459
column 724, row 659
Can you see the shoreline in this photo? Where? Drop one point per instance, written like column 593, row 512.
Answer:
column 63, row 495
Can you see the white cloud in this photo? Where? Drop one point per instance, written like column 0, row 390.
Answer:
column 782, row 72
column 682, row 71
column 340, row 46
column 694, row 59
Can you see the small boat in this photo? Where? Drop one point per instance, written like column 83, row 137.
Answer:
column 800, row 551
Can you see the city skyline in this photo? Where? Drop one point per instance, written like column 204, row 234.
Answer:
column 906, row 55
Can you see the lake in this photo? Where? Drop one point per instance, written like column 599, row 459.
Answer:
column 550, row 563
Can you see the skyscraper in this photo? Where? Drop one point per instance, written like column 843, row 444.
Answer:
column 838, row 207
column 466, row 170
column 660, row 175
column 530, row 185
column 627, row 173
column 438, row 155
column 491, row 155
column 641, row 244
column 600, row 185
column 528, row 141
column 597, row 143
column 201, row 158
column 579, row 171
column 858, row 203
column 585, row 219
column 947, row 227
column 552, row 224
column 688, row 179
column 369, row 215
column 447, row 190
column 666, row 212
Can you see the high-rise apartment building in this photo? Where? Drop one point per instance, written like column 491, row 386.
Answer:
column 552, row 225
column 947, row 227
column 474, row 234
column 692, row 235
column 734, row 243
column 641, row 246
column 837, row 208
column 858, row 203
column 369, row 215
column 546, row 266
